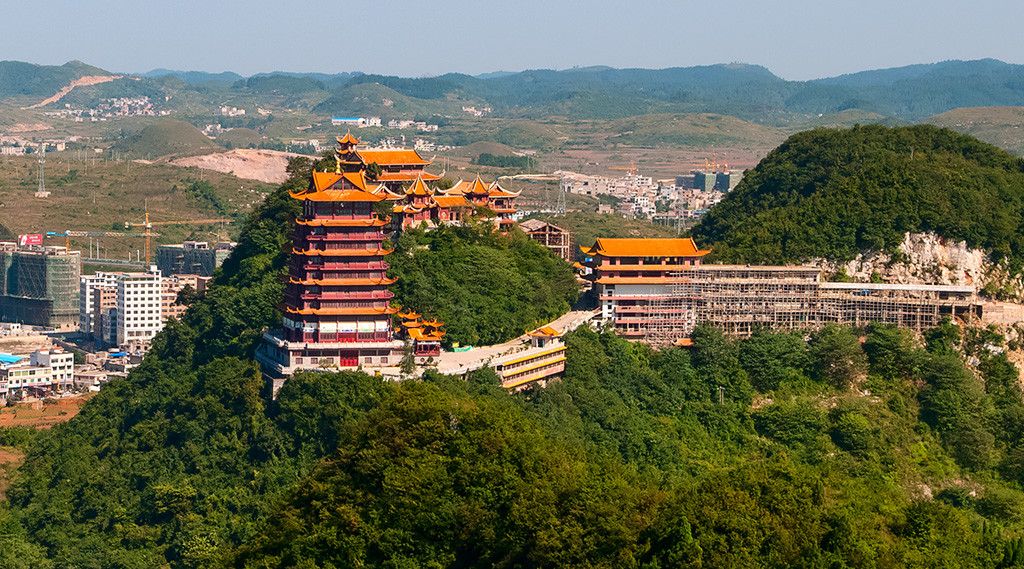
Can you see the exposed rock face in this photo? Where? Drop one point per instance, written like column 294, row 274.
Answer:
column 926, row 258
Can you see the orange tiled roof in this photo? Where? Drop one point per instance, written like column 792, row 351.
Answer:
column 340, row 222
column 496, row 191
column 546, row 331
column 476, row 187
column 342, row 282
column 342, row 311
column 406, row 176
column 433, row 323
column 341, row 252
column 347, row 139
column 418, row 188
column 451, row 201
column 322, row 188
column 645, row 248
column 391, row 157
column 417, row 334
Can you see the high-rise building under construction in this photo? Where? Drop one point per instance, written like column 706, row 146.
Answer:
column 39, row 286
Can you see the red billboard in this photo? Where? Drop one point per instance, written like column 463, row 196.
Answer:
column 24, row 240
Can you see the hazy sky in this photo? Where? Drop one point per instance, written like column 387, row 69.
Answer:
column 796, row 39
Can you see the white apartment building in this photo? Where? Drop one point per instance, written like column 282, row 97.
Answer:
column 138, row 307
column 86, row 310
column 43, row 370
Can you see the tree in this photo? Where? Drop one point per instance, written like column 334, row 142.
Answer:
column 837, row 355
column 373, row 171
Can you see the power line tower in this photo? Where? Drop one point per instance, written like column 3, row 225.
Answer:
column 42, row 191
column 560, row 206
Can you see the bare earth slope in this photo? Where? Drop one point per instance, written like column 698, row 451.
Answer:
column 264, row 165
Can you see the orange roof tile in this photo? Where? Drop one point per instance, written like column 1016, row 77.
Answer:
column 342, row 311
column 342, row 252
column 340, row 222
column 476, row 187
column 418, row 188
column 496, row 191
column 342, row 282
column 451, row 201
column 547, row 331
column 391, row 157
column 324, row 187
column 406, row 176
column 645, row 248
column 347, row 139
column 433, row 323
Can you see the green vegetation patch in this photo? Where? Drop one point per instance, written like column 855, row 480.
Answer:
column 834, row 193
column 164, row 138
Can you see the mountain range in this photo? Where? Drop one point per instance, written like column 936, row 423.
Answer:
column 750, row 92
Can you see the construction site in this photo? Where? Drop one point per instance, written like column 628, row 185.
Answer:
column 39, row 286
column 657, row 291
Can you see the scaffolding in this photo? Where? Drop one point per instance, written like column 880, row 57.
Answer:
column 741, row 299
column 40, row 286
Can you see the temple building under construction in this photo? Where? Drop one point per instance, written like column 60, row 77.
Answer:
column 658, row 291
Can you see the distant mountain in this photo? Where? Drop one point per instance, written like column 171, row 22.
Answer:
column 882, row 77
column 18, row 78
column 331, row 80
column 195, row 76
column 1002, row 126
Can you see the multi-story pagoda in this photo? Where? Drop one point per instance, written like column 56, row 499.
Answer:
column 337, row 310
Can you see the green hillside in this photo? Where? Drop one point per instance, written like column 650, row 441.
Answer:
column 166, row 138
column 691, row 131
column 763, row 452
column 19, row 79
column 834, row 193
column 240, row 138
column 1001, row 126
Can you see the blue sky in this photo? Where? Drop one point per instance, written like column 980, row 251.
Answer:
column 795, row 39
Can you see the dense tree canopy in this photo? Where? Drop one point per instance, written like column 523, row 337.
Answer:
column 780, row 450
column 833, row 193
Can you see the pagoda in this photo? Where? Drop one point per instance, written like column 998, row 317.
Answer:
column 337, row 309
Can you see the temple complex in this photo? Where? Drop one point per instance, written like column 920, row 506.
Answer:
column 420, row 204
column 397, row 166
column 337, row 309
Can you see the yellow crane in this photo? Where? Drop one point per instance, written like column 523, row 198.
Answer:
column 632, row 168
column 147, row 224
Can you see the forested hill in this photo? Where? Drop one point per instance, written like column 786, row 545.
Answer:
column 833, row 193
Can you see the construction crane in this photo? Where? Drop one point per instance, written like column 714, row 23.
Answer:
column 67, row 235
column 632, row 168
column 149, row 224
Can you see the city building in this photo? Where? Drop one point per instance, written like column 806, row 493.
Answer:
column 551, row 236
column 39, row 285
column 658, row 291
column 192, row 257
column 87, row 300
column 170, row 286
column 337, row 309
column 40, row 373
column 138, row 308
